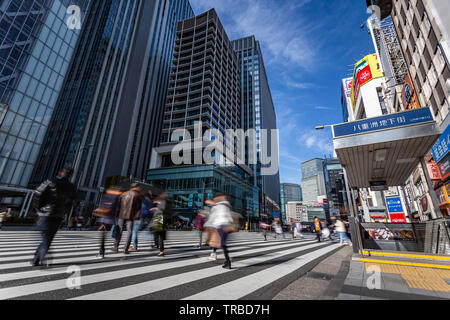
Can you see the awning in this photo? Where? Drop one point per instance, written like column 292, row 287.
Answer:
column 385, row 149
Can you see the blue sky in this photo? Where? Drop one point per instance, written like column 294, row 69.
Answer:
column 308, row 47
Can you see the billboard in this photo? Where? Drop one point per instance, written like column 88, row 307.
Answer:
column 409, row 97
column 441, row 148
column 365, row 70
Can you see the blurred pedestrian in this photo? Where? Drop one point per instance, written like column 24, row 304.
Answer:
column 129, row 211
column 199, row 225
column 317, row 229
column 298, row 230
column 161, row 220
column 144, row 221
column 52, row 200
column 221, row 220
column 326, row 235
column 278, row 229
column 265, row 227
column 107, row 214
column 4, row 215
column 341, row 229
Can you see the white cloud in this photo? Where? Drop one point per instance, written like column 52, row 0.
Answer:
column 283, row 33
column 321, row 142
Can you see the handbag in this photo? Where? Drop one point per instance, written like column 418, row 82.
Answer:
column 214, row 239
column 158, row 222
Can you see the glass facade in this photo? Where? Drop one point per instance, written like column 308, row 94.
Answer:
column 36, row 47
column 289, row 192
column 112, row 101
column 189, row 186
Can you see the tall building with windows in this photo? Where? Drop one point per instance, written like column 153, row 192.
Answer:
column 257, row 113
column 313, row 180
column 36, row 47
column 289, row 192
column 204, row 88
column 108, row 115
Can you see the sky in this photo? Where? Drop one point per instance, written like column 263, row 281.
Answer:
column 308, row 47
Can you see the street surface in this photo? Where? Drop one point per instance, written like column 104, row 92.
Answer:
column 260, row 269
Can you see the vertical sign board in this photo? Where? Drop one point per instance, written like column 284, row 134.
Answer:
column 441, row 148
column 395, row 210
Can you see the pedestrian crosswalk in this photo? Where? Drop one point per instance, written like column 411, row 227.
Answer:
column 260, row 268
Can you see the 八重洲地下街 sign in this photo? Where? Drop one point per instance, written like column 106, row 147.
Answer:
column 417, row 116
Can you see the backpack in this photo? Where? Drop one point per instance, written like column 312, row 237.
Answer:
column 158, row 222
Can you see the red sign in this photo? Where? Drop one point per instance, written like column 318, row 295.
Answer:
column 433, row 171
column 364, row 75
column 397, row 217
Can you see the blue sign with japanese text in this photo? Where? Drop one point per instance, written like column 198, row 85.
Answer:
column 442, row 146
column 394, row 205
column 390, row 121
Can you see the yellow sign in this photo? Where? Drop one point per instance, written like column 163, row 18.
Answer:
column 365, row 70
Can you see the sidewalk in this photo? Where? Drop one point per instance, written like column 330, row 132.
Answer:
column 394, row 282
column 323, row 282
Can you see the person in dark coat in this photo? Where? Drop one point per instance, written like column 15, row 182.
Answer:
column 107, row 214
column 52, row 200
column 130, row 211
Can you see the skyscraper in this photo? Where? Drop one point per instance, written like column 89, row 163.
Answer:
column 204, row 88
column 108, row 116
column 257, row 111
column 313, row 180
column 289, row 192
column 37, row 42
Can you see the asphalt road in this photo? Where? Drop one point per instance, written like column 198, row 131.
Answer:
column 260, row 269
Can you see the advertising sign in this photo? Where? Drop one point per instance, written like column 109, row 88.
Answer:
column 433, row 171
column 365, row 70
column 409, row 97
column 441, row 148
column 442, row 196
column 391, row 121
column 444, row 167
column 390, row 232
column 397, row 217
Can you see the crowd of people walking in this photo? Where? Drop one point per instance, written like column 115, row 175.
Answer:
column 129, row 209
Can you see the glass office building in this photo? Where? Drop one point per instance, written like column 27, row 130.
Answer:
column 289, row 192
column 36, row 47
column 109, row 113
column 189, row 186
column 258, row 113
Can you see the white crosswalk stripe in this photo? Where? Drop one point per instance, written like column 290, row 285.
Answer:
column 185, row 272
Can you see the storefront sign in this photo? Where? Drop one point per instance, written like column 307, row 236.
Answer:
column 444, row 167
column 391, row 121
column 409, row 96
column 442, row 196
column 397, row 217
column 433, row 171
column 442, row 146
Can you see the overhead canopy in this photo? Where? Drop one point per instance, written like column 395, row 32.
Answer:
column 385, row 149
